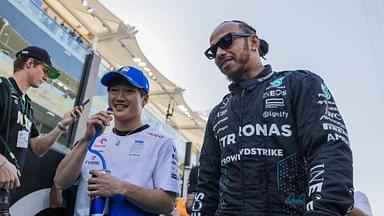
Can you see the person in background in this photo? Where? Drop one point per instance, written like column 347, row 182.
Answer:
column 142, row 162
column 276, row 144
column 183, row 206
column 19, row 132
column 55, row 203
column 180, row 209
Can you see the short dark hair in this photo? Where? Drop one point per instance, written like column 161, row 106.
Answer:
column 264, row 47
column 19, row 63
column 243, row 26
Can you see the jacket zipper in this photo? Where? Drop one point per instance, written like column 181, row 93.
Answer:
column 241, row 146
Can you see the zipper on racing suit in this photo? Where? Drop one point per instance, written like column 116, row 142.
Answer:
column 241, row 158
column 243, row 92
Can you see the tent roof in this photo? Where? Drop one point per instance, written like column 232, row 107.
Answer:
column 116, row 43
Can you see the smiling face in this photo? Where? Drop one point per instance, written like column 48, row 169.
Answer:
column 238, row 60
column 127, row 103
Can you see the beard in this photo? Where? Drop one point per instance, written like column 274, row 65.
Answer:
column 236, row 74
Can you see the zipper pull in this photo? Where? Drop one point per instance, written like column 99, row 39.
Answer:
column 242, row 92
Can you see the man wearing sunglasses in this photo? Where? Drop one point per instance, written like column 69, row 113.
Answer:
column 19, row 131
column 276, row 144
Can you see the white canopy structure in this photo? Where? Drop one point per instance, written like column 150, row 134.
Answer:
column 116, row 43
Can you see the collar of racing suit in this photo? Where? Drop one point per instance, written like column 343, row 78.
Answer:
column 252, row 83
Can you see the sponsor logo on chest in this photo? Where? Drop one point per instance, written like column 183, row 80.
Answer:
column 136, row 148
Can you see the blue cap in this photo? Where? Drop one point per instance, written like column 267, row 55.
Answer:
column 133, row 75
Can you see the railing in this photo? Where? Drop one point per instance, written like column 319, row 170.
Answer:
column 52, row 28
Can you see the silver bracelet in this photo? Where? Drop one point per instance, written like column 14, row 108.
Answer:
column 63, row 129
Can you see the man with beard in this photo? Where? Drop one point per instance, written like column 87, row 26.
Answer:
column 276, row 144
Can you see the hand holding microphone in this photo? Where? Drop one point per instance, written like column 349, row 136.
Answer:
column 99, row 204
column 96, row 126
column 97, row 123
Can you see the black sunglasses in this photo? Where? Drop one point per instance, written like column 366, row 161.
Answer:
column 224, row 43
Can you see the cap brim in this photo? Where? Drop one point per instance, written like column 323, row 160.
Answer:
column 113, row 74
column 53, row 72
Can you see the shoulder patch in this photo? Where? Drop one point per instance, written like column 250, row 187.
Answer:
column 277, row 82
column 225, row 101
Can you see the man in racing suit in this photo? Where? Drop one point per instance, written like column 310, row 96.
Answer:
column 276, row 144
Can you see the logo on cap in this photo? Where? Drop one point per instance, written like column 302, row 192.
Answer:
column 41, row 55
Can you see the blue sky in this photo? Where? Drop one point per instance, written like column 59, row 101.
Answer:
column 342, row 41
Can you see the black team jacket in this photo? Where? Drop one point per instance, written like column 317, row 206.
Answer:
column 276, row 145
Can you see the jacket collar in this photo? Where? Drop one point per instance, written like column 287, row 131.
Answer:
column 17, row 89
column 252, row 83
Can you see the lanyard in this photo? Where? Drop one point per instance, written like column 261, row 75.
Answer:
column 22, row 104
column 12, row 157
column 7, row 149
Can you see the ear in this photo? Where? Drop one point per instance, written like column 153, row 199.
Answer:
column 29, row 63
column 255, row 42
column 145, row 100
